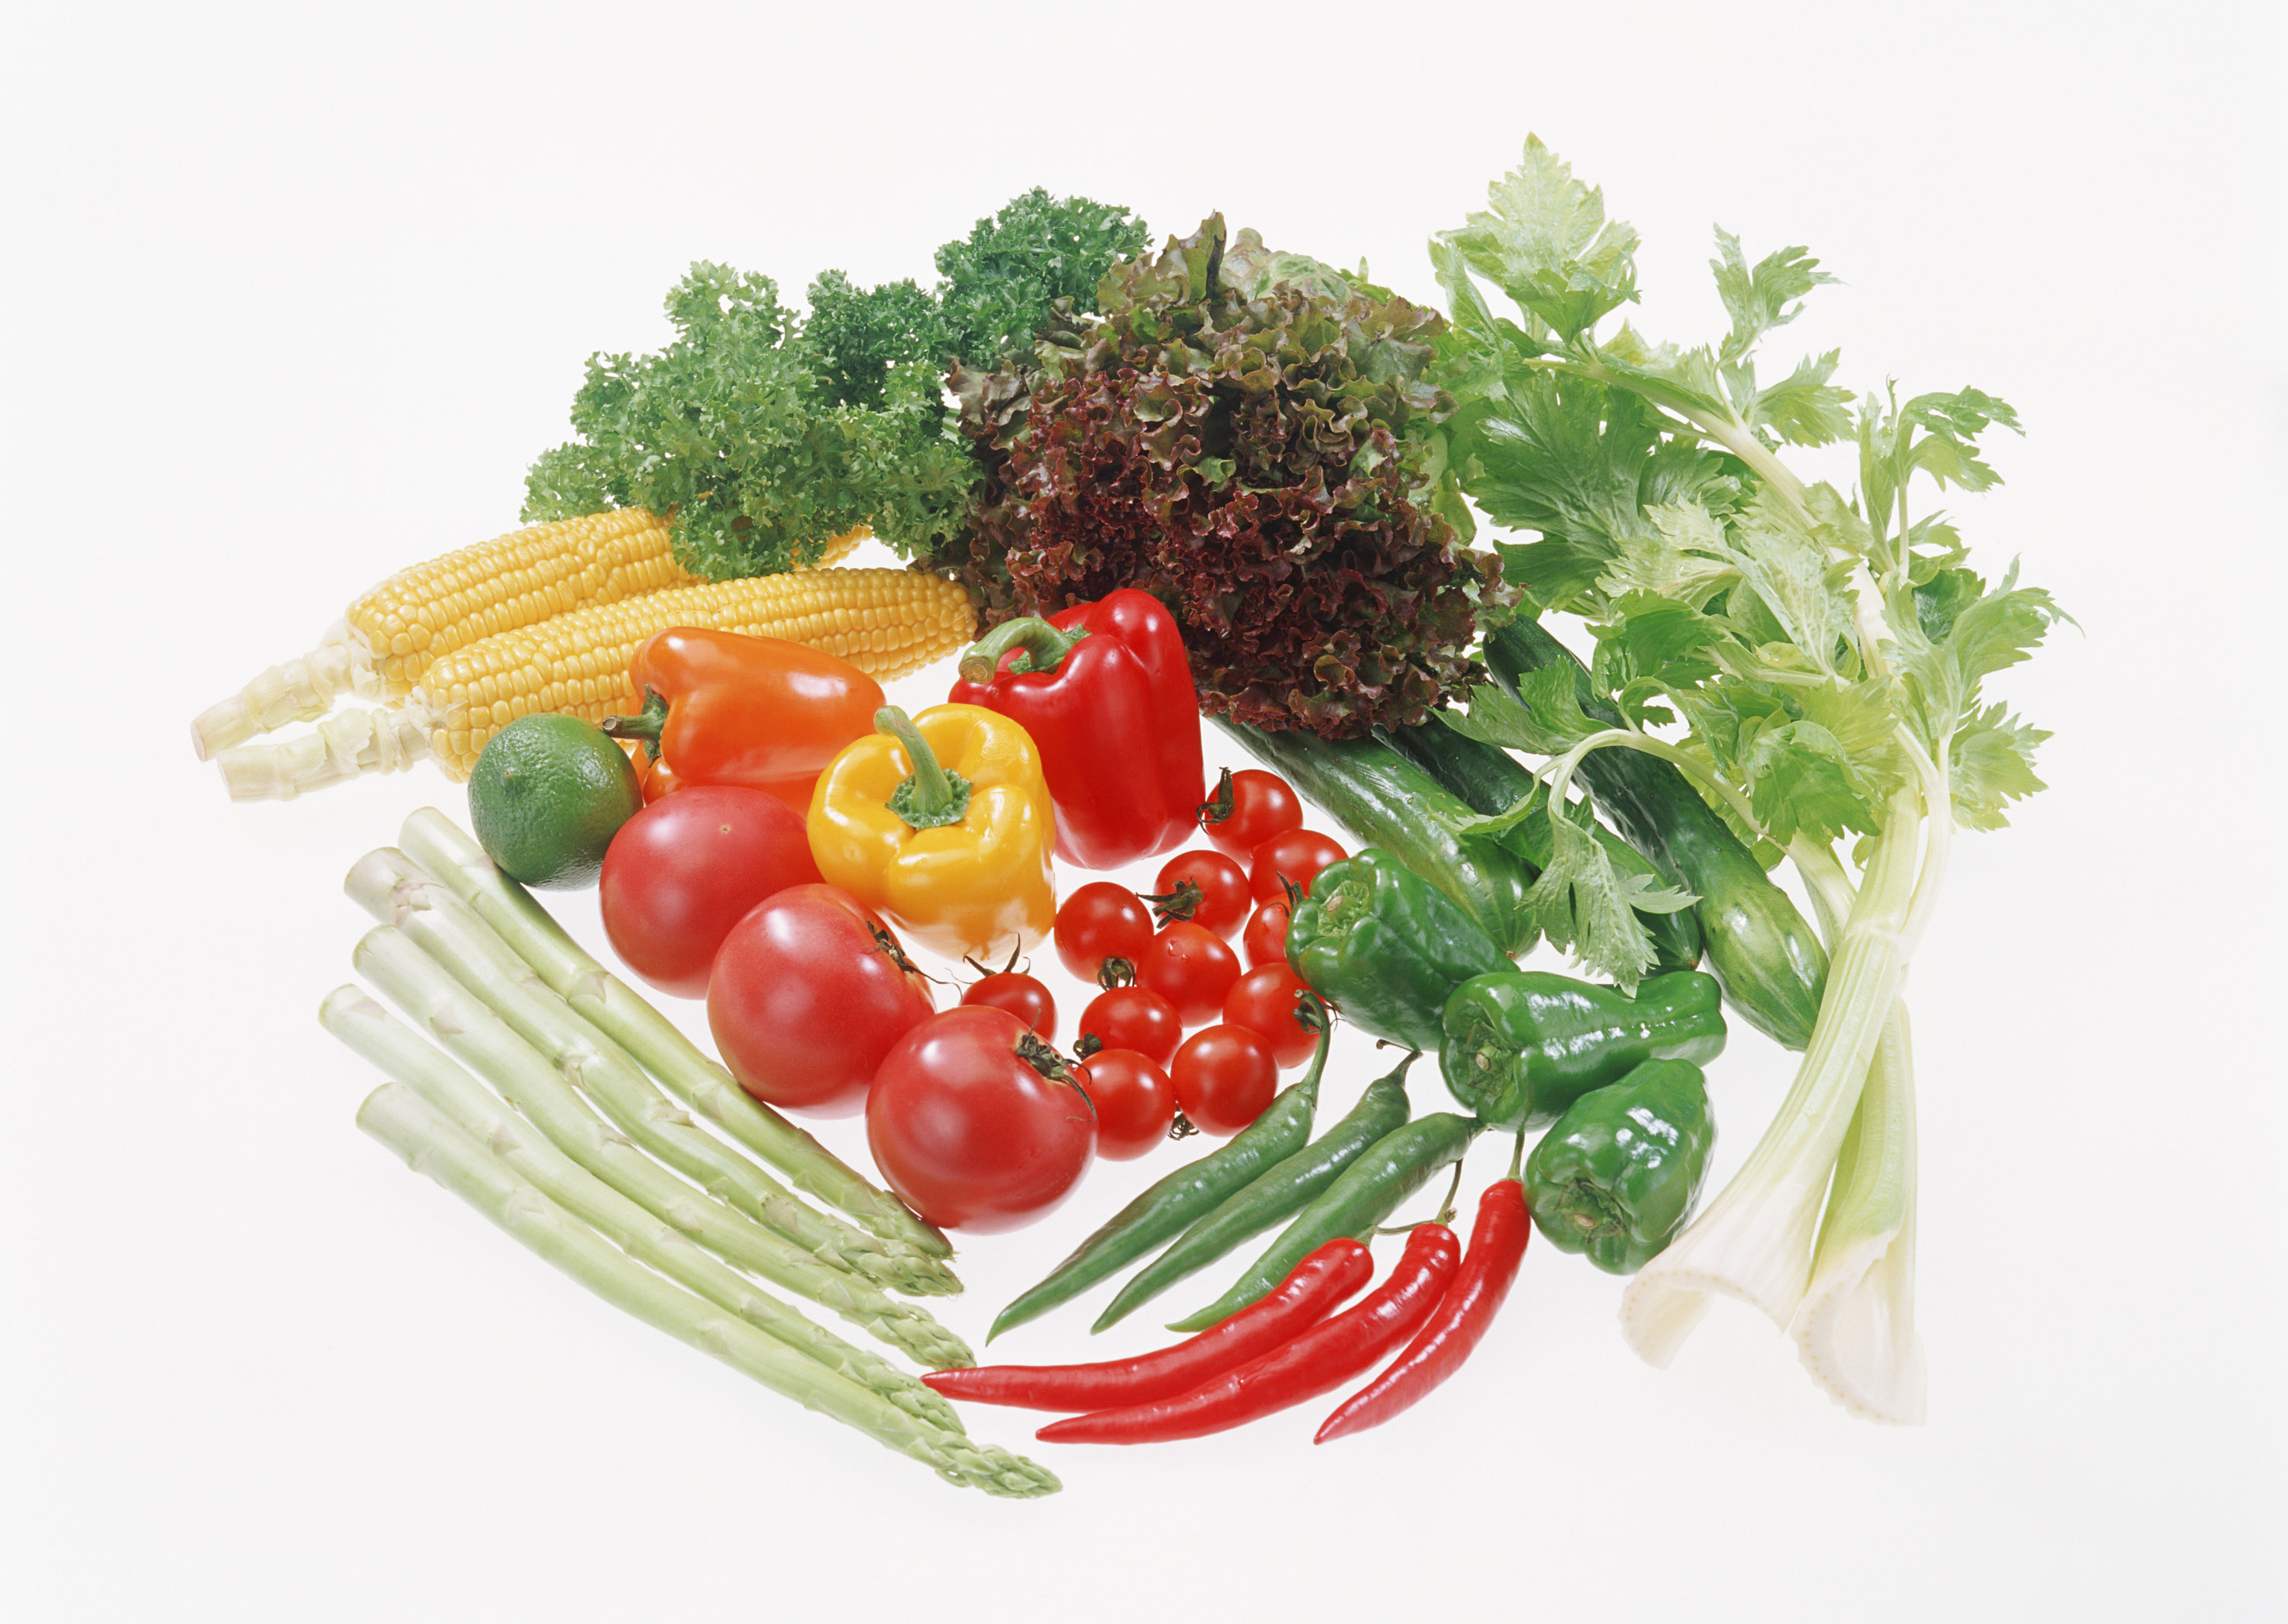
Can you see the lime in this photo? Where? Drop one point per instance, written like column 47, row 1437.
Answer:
column 548, row 796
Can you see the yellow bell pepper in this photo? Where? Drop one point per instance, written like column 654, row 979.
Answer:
column 941, row 823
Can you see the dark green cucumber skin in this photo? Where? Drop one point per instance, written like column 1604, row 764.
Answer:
column 1383, row 799
column 1490, row 781
column 1760, row 950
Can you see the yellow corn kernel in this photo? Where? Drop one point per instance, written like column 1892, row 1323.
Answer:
column 884, row 621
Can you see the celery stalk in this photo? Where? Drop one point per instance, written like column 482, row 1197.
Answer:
column 431, row 1145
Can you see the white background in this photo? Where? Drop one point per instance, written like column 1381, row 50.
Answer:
column 293, row 294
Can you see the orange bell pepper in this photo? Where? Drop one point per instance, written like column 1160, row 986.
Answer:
column 758, row 712
column 942, row 823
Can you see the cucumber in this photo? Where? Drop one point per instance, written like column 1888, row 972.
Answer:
column 1490, row 781
column 1768, row 960
column 1383, row 799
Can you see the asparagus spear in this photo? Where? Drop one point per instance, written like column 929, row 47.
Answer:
column 388, row 885
column 391, row 961
column 430, row 1145
column 440, row 846
column 394, row 1046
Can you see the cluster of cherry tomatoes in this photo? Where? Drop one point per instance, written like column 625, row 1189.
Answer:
column 1166, row 964
column 814, row 1006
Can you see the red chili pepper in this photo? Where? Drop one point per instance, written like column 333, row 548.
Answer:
column 1497, row 1247
column 1106, row 692
column 1321, row 1359
column 1325, row 1278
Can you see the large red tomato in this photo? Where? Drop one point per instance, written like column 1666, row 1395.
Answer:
column 684, row 870
column 809, row 992
column 975, row 1123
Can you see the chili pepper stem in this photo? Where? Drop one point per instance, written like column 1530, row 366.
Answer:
column 1041, row 647
column 931, row 796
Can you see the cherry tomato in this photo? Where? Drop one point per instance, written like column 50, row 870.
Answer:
column 1022, row 995
column 1263, row 1001
column 1223, row 900
column 1299, row 854
column 976, row 1123
column 1264, row 939
column 682, row 872
column 1262, row 805
column 807, row 999
column 1135, row 1102
column 1224, row 1078
column 1133, row 1018
column 1102, row 921
column 660, row 782
column 1192, row 968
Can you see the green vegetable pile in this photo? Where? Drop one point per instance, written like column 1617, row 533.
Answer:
column 1251, row 437
column 1825, row 653
column 767, row 433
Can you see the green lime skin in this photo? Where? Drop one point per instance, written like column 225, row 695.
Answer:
column 546, row 797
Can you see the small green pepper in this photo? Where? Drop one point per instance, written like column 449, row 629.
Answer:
column 1386, row 947
column 1279, row 1192
column 1368, row 1190
column 1618, row 1173
column 1521, row 1046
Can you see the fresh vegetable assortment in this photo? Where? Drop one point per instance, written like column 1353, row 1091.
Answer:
column 1213, row 481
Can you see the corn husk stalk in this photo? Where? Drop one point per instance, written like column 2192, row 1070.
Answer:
column 432, row 1146
column 380, row 1038
column 481, row 1039
column 441, row 848
column 386, row 884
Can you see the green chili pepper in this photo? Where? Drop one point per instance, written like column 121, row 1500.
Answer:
column 1618, row 1173
column 1365, row 1194
column 1185, row 1194
column 1279, row 1193
column 1384, row 947
column 1522, row 1046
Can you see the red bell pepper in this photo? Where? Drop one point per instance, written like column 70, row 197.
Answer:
column 1106, row 692
column 759, row 713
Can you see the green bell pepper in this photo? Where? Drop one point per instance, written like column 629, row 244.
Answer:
column 1519, row 1047
column 1384, row 947
column 1616, row 1174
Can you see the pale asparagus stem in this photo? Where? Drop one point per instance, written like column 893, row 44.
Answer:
column 528, row 1082
column 385, row 884
column 1754, row 1241
column 432, row 1146
column 382, row 1039
column 438, row 845
column 1855, row 1330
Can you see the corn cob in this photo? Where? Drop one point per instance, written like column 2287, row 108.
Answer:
column 392, row 633
column 884, row 621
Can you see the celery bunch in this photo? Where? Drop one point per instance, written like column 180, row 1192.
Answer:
column 1814, row 658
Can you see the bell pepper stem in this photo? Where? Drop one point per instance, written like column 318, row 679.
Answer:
column 1042, row 646
column 931, row 796
column 644, row 726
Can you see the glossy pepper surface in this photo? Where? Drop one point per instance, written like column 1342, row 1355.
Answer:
column 759, row 713
column 1364, row 1194
column 1275, row 1194
column 941, row 823
column 1320, row 1360
column 1459, row 1323
column 1106, row 691
column 1336, row 1271
column 1385, row 948
column 1523, row 1045
column 1615, row 1177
